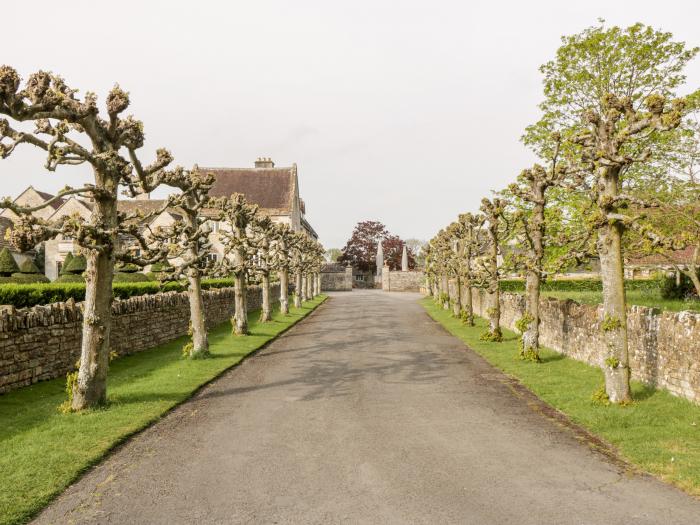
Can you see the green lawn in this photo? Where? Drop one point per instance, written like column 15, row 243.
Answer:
column 658, row 432
column 638, row 297
column 43, row 451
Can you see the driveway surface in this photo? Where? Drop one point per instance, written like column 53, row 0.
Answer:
column 366, row 412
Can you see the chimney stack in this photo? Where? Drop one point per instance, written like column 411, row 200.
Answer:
column 264, row 162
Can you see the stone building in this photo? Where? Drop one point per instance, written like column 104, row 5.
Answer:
column 274, row 190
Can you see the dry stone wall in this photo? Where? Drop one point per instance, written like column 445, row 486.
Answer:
column 398, row 281
column 43, row 342
column 336, row 278
column 664, row 346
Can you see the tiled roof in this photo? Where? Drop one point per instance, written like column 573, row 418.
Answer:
column 145, row 206
column 271, row 188
column 46, row 196
column 677, row 257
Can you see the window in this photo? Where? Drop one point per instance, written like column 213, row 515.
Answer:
column 212, row 257
column 359, row 277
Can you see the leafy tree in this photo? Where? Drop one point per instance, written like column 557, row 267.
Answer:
column 361, row 249
column 610, row 92
column 393, row 252
column 333, row 254
column 417, row 248
column 72, row 131
column 468, row 243
column 488, row 268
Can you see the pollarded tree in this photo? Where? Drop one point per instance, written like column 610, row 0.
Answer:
column 262, row 238
column 488, row 269
column 530, row 196
column 284, row 238
column 238, row 216
column 296, row 247
column 72, row 132
column 467, row 233
column 188, row 246
column 611, row 91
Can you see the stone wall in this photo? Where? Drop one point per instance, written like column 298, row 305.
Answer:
column 43, row 342
column 335, row 278
column 398, row 281
column 664, row 346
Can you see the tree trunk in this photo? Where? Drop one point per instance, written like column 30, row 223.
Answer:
column 297, row 290
column 309, row 287
column 284, row 289
column 200, row 341
column 303, row 288
column 531, row 336
column 693, row 270
column 445, row 291
column 240, row 325
column 91, row 388
column 616, row 365
column 266, row 314
column 494, row 311
column 457, row 305
column 468, row 304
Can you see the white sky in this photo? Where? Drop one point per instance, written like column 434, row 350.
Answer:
column 406, row 112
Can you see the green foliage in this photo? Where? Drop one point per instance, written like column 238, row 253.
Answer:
column 68, row 277
column 24, row 295
column 670, row 290
column 77, row 265
column 610, row 324
column 579, row 285
column 523, row 323
column 8, row 266
column 28, row 266
column 187, row 349
column 126, row 268
column 600, row 397
column 130, row 277
column 21, row 278
column 71, row 380
column 66, row 262
column 492, row 336
column 612, row 362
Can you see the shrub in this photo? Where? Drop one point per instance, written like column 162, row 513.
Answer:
column 670, row 290
column 579, row 285
column 70, row 278
column 129, row 277
column 28, row 266
column 8, row 266
column 28, row 278
column 66, row 262
column 77, row 265
column 25, row 295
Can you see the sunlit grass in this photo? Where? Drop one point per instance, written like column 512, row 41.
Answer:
column 658, row 432
column 43, row 451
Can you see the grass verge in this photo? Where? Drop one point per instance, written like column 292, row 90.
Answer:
column 43, row 451
column 658, row 432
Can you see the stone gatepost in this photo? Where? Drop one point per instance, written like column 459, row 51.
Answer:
column 386, row 278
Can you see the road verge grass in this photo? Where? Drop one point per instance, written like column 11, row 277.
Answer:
column 43, row 451
column 658, row 432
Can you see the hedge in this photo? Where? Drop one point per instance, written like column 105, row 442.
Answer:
column 25, row 295
column 580, row 285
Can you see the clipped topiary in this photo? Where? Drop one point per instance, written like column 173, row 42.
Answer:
column 130, row 277
column 127, row 268
column 70, row 278
column 8, row 266
column 77, row 265
column 66, row 261
column 28, row 266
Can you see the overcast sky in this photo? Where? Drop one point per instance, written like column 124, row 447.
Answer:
column 406, row 112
